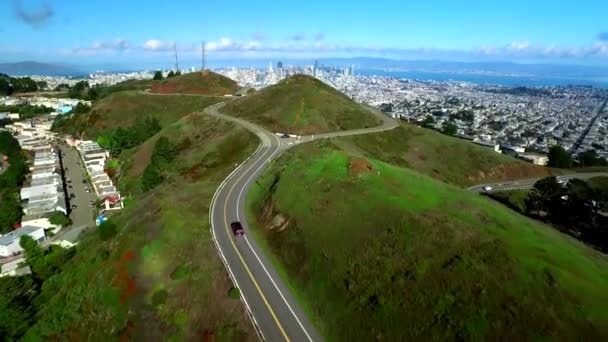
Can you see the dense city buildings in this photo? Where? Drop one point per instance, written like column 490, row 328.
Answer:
column 522, row 119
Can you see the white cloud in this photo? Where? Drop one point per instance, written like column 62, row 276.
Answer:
column 528, row 50
column 117, row 45
column 157, row 45
column 226, row 47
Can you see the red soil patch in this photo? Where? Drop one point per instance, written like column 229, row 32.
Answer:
column 124, row 281
column 358, row 166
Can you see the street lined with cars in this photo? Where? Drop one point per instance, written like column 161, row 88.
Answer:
column 81, row 213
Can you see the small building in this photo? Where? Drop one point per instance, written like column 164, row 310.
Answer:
column 536, row 159
column 9, row 243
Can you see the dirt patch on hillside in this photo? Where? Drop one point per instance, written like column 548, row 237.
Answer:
column 510, row 171
column 357, row 166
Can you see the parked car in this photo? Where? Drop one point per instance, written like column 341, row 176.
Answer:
column 285, row 135
column 237, row 229
column 487, row 188
column 72, row 196
column 84, row 181
column 70, row 186
column 91, row 203
column 74, row 206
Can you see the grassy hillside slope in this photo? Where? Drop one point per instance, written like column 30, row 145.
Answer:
column 160, row 278
column 378, row 252
column 123, row 108
column 201, row 83
column 442, row 157
column 301, row 105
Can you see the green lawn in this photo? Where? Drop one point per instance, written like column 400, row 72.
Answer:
column 301, row 105
column 445, row 158
column 160, row 278
column 375, row 251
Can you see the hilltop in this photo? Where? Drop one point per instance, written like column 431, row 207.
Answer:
column 442, row 157
column 159, row 277
column 376, row 251
column 301, row 105
column 122, row 108
column 199, row 83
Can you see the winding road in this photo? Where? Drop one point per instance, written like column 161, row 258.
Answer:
column 525, row 184
column 275, row 313
column 269, row 302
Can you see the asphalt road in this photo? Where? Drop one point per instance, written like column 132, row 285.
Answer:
column 82, row 216
column 529, row 183
column 271, row 305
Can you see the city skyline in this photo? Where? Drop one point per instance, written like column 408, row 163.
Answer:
column 87, row 33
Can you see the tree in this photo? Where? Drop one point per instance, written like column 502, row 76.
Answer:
column 449, row 128
column 151, row 177
column 549, row 192
column 177, row 73
column 80, row 108
column 10, row 210
column 428, row 122
column 33, row 252
column 77, row 91
column 158, row 75
column 163, row 153
column 170, row 74
column 559, row 157
column 106, row 230
column 60, row 219
column 590, row 158
column 62, row 87
column 16, row 306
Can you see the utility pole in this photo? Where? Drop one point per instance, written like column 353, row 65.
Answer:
column 203, row 57
column 175, row 50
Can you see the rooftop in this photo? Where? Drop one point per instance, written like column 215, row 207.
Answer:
column 10, row 238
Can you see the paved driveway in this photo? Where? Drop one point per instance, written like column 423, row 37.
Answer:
column 83, row 216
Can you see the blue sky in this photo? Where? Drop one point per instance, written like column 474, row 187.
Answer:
column 132, row 31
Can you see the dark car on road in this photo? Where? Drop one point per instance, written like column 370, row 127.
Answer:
column 285, row 136
column 237, row 229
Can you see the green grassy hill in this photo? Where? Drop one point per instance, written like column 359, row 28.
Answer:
column 442, row 157
column 160, row 278
column 379, row 252
column 301, row 105
column 121, row 109
column 200, row 83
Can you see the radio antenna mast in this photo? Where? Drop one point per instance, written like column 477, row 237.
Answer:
column 175, row 50
column 203, row 56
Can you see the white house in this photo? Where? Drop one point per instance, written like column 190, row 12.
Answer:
column 9, row 243
column 38, row 190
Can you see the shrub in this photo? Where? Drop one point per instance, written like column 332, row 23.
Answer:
column 234, row 293
column 106, row 230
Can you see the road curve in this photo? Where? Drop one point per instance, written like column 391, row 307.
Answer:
column 270, row 303
column 525, row 184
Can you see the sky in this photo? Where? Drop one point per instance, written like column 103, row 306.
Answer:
column 136, row 31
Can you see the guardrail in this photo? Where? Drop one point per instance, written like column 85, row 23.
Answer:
column 230, row 273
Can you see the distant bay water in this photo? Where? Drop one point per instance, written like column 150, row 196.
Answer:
column 501, row 80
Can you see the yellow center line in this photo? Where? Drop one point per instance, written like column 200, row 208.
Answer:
column 255, row 283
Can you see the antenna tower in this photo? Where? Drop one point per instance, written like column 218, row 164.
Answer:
column 203, row 56
column 175, row 50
